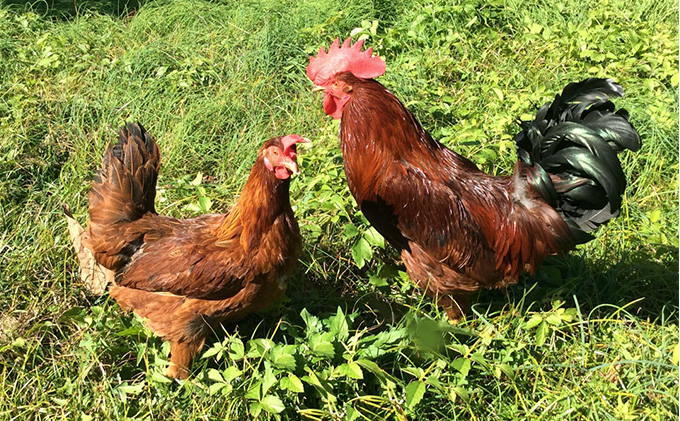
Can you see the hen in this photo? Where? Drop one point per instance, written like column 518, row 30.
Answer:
column 457, row 228
column 185, row 276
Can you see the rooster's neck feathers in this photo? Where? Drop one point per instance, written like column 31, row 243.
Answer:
column 378, row 129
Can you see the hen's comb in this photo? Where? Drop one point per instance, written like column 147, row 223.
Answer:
column 348, row 58
column 290, row 140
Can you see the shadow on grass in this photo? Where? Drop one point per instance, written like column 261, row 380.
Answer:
column 69, row 9
column 644, row 284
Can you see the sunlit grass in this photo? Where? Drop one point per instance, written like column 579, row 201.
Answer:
column 591, row 337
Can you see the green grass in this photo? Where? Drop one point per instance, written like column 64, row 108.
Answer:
column 593, row 336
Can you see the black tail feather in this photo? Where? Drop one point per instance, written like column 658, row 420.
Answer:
column 576, row 139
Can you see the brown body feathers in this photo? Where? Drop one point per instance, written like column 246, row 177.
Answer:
column 458, row 229
column 185, row 276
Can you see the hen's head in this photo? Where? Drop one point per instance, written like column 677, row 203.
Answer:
column 280, row 155
column 325, row 70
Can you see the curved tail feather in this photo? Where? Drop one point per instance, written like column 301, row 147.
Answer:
column 124, row 188
column 572, row 146
column 123, row 191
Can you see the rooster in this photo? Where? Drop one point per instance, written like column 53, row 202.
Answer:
column 185, row 276
column 457, row 228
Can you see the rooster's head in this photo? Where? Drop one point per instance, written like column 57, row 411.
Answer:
column 324, row 69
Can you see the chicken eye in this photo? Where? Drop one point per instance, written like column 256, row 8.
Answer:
column 275, row 152
column 336, row 84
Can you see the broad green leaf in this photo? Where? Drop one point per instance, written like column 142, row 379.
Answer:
column 312, row 322
column 391, row 336
column 268, row 381
column 462, row 364
column 216, row 387
column 338, row 325
column 416, row 372
column 505, row 369
column 212, row 351
column 377, row 281
column 337, row 201
column 374, row 238
column 133, row 389
column 76, row 313
column 286, row 361
column 323, row 387
column 414, row 393
column 230, row 373
column 351, row 370
column 554, row 319
column 361, row 252
column 205, row 203
column 253, row 391
column 476, row 357
column 375, row 369
column 535, row 320
column 159, row 378
column 676, row 354
column 255, row 409
column 312, row 378
column 197, row 180
column 351, row 231
column 258, row 347
column 324, row 348
column 458, row 391
column 193, row 207
column 215, row 375
column 292, row 383
column 655, row 215
column 541, row 333
column 272, row 404
column 236, row 349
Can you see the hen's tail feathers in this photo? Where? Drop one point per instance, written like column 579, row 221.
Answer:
column 571, row 148
column 124, row 189
column 94, row 276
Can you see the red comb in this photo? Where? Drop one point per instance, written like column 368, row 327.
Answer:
column 344, row 59
column 290, row 140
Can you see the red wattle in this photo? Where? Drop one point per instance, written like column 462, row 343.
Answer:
column 281, row 173
column 330, row 105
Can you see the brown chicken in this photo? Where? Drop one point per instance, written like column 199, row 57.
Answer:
column 185, row 276
column 457, row 228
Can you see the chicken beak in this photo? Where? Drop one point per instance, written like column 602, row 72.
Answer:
column 291, row 166
column 318, row 89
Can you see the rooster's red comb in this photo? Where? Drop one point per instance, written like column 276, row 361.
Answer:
column 348, row 58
